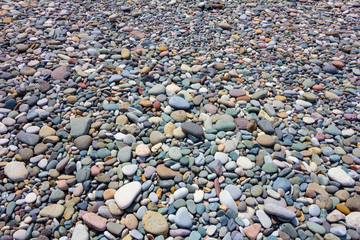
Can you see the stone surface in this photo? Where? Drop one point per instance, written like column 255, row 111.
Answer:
column 125, row 195
column 155, row 223
column 16, row 171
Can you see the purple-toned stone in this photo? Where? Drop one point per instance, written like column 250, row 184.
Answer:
column 236, row 92
column 241, row 122
column 179, row 232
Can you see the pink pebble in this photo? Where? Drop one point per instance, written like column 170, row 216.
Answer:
column 62, row 185
column 94, row 170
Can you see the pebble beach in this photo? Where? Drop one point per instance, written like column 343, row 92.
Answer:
column 169, row 119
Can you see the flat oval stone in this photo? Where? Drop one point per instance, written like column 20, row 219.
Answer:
column 125, row 195
column 155, row 223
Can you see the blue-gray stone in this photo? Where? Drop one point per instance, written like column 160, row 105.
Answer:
column 178, row 102
column 103, row 152
column 28, row 138
column 111, row 107
column 182, row 218
column 225, row 125
column 282, row 183
column 80, row 126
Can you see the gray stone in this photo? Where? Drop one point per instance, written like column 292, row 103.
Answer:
column 79, row 126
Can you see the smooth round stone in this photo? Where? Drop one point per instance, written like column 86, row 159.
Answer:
column 264, row 219
column 316, row 228
column 31, row 197
column 175, row 153
column 308, row 120
column 103, row 152
column 244, row 163
column 225, row 125
column 338, row 230
column 80, row 233
column 182, row 218
column 353, row 219
column 142, row 150
column 16, row 171
column 277, row 210
column 129, row 170
column 265, row 140
column 155, row 223
column 227, row 200
column 256, row 191
column 340, row 176
column 125, row 195
column 270, row 168
column 178, row 102
column 282, row 183
column 20, row 234
column 192, row 128
column 52, row 211
column 181, row 193
column 33, row 129
column 314, row 210
column 198, row 196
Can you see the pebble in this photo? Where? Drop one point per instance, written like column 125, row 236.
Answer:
column 182, row 218
column 80, row 233
column 170, row 119
column 340, row 176
column 16, row 171
column 125, row 195
column 155, row 223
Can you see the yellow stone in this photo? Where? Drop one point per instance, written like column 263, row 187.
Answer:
column 159, row 192
column 7, row 20
column 223, row 207
column 18, row 157
column 315, row 150
column 280, row 98
column 162, row 48
column 267, row 40
column 258, row 31
column 155, row 223
column 342, row 208
column 127, row 237
column 206, row 189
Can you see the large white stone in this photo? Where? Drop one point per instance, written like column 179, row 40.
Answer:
column 244, row 163
column 125, row 195
column 181, row 193
column 16, row 171
column 227, row 200
column 353, row 219
column 340, row 176
column 80, row 233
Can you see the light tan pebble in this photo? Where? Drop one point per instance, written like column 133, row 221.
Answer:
column 114, row 209
column 156, row 147
column 169, row 129
column 313, row 166
column 172, row 87
column 178, row 133
column 155, row 120
column 142, row 150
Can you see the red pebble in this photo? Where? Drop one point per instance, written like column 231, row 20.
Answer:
column 157, row 105
column 317, row 87
column 82, row 85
